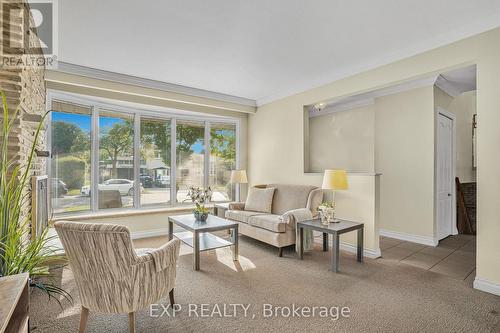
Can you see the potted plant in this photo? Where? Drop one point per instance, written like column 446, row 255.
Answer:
column 200, row 196
column 19, row 253
column 200, row 212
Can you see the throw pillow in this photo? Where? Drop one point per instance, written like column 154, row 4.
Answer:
column 260, row 199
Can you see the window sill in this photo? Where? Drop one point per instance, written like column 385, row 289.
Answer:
column 127, row 212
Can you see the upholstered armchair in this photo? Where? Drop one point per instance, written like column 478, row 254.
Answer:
column 110, row 275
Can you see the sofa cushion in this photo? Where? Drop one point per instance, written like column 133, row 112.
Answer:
column 240, row 215
column 288, row 197
column 260, row 200
column 269, row 222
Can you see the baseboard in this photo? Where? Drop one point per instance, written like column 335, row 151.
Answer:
column 149, row 233
column 424, row 240
column 487, row 286
column 366, row 252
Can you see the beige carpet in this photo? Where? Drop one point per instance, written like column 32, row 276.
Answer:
column 383, row 296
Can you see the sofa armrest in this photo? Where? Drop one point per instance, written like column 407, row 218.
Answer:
column 296, row 215
column 237, row 206
column 314, row 200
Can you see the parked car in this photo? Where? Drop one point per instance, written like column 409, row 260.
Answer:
column 58, row 188
column 124, row 186
column 146, row 181
column 162, row 181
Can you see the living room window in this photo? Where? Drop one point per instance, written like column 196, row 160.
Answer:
column 107, row 156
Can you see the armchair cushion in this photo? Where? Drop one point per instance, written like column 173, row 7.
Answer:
column 260, row 200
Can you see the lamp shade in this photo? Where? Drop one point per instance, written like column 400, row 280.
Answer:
column 335, row 180
column 238, row 177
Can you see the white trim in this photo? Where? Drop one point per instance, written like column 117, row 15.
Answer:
column 368, row 98
column 94, row 160
column 94, row 73
column 136, row 157
column 436, row 41
column 149, row 233
column 447, row 86
column 173, row 161
column 487, row 286
column 369, row 253
column 341, row 107
column 424, row 240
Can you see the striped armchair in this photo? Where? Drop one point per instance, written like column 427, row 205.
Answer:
column 110, row 275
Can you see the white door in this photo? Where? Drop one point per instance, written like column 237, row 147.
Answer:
column 445, row 181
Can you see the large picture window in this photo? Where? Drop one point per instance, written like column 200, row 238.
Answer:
column 111, row 157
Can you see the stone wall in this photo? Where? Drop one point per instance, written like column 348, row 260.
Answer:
column 24, row 87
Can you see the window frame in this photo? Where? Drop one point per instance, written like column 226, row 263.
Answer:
column 137, row 111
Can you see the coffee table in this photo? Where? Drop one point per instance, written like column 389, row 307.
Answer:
column 198, row 236
column 335, row 229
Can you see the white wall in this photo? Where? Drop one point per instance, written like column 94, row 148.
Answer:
column 276, row 130
column 404, row 155
column 343, row 140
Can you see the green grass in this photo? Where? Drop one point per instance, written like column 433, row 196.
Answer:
column 76, row 208
column 73, row 192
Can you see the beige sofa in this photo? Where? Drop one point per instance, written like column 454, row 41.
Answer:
column 277, row 228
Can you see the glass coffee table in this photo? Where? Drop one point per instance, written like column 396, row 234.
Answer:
column 198, row 236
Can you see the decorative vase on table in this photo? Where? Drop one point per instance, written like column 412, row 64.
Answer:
column 200, row 212
column 202, row 217
column 330, row 215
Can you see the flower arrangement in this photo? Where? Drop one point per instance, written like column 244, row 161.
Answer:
column 200, row 212
column 200, row 196
column 327, row 212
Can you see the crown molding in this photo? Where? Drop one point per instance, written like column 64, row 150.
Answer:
column 368, row 98
column 94, row 73
column 340, row 107
column 455, row 35
column 449, row 87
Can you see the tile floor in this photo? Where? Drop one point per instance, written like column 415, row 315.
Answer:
column 455, row 256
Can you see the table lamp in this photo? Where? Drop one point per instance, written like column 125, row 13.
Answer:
column 335, row 180
column 238, row 177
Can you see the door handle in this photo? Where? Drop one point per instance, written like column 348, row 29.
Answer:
column 449, row 194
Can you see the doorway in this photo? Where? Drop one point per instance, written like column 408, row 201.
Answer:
column 445, row 174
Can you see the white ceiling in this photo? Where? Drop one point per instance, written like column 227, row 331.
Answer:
column 260, row 49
